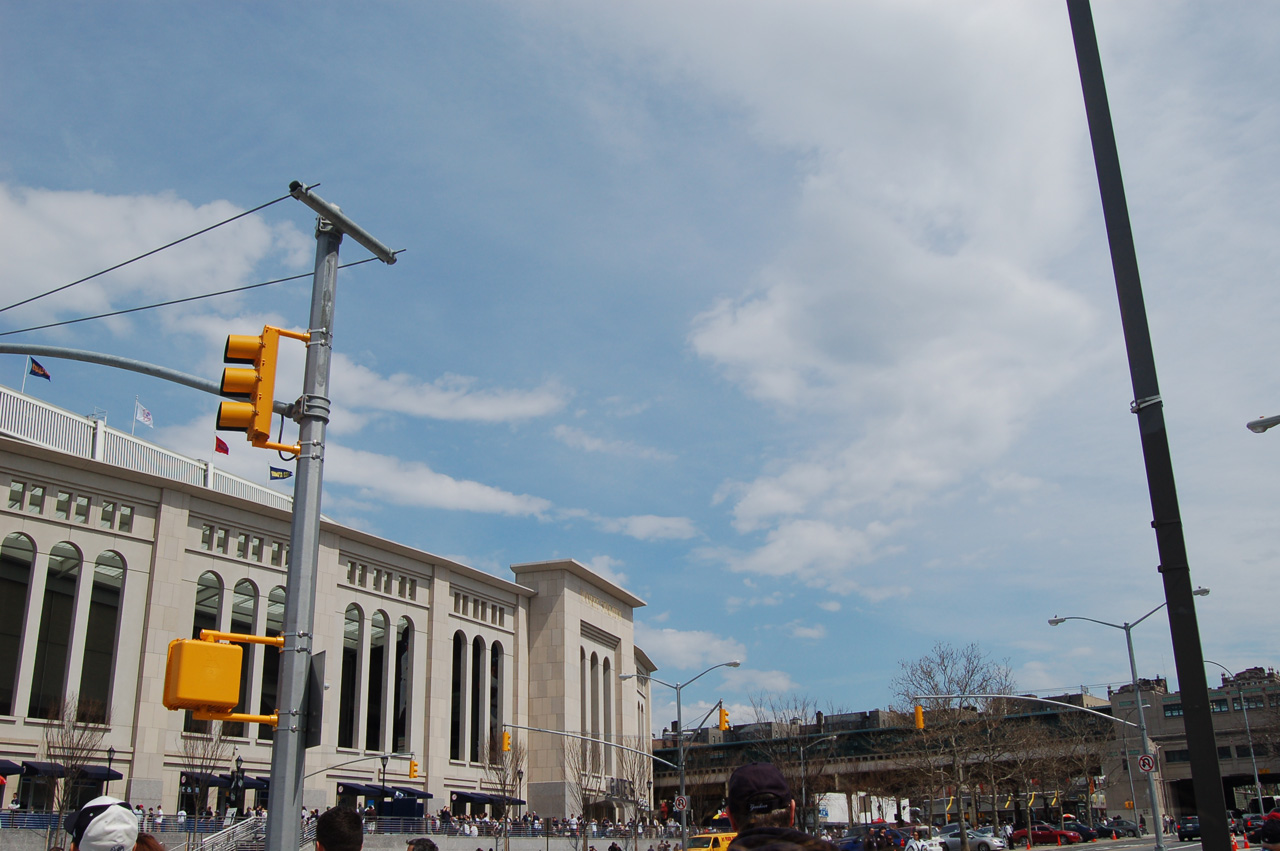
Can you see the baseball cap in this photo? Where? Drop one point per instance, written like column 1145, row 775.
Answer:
column 760, row 786
column 103, row 824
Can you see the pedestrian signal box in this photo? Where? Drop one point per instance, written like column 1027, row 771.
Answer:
column 202, row 675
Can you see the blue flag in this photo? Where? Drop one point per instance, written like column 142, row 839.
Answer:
column 278, row 473
column 39, row 371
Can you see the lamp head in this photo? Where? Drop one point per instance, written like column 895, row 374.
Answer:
column 1056, row 621
column 1200, row 592
column 735, row 663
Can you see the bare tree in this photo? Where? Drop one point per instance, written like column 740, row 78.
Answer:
column 796, row 744
column 202, row 755
column 503, row 769
column 635, row 773
column 576, row 763
column 73, row 743
column 952, row 733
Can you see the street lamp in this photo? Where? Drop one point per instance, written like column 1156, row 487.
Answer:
column 678, row 687
column 519, row 781
column 804, row 779
column 111, row 755
column 1156, row 817
column 1244, row 707
column 382, row 793
column 1261, row 425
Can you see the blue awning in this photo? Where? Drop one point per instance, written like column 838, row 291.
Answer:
column 99, row 773
column 357, row 789
column 41, row 769
column 200, row 778
column 8, row 767
column 473, row 798
column 410, row 792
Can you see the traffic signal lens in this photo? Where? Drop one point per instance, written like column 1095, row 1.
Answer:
column 238, row 381
column 235, row 416
column 242, row 348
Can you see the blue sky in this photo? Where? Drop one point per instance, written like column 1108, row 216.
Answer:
column 796, row 319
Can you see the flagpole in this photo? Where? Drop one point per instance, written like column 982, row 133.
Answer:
column 133, row 425
column 26, row 372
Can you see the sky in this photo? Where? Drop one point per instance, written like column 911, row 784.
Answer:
column 794, row 319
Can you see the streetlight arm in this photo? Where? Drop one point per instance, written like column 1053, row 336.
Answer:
column 1056, row 621
column 735, row 663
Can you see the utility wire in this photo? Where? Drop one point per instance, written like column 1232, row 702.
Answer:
column 179, row 300
column 141, row 256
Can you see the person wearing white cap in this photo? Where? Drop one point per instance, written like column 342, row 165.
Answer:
column 103, row 824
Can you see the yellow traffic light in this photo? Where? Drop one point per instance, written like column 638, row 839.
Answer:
column 919, row 717
column 256, row 384
column 413, row 768
column 202, row 675
column 724, row 718
column 506, row 741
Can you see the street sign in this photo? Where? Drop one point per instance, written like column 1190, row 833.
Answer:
column 682, row 803
column 1147, row 763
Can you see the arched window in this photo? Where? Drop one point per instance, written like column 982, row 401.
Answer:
column 101, row 637
column 496, row 662
column 375, row 698
column 352, row 623
column 17, row 554
column 403, row 684
column 583, row 681
column 56, row 621
column 457, row 690
column 244, row 611
column 478, row 732
column 606, row 698
column 271, row 660
column 206, row 615
column 595, row 713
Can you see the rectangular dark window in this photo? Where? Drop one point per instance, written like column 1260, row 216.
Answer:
column 1219, row 705
column 1172, row 710
column 1177, row 756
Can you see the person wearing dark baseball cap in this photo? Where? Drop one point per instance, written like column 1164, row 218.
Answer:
column 103, row 824
column 763, row 812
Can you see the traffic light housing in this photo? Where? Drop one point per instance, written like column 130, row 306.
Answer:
column 202, row 675
column 919, row 717
column 724, row 718
column 255, row 384
column 413, row 769
column 506, row 741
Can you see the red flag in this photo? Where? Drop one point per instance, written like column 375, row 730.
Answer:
column 220, row 445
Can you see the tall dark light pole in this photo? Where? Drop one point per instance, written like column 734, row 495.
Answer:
column 111, row 755
column 1206, row 774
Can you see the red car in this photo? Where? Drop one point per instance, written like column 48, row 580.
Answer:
column 1046, row 834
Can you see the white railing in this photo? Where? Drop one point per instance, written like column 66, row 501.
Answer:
column 247, row 832
column 42, row 424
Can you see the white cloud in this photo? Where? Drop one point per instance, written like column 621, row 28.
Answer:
column 688, row 649
column 50, row 238
column 830, row 605
column 807, row 631
column 449, row 397
column 755, row 681
column 576, row 438
column 413, row 483
column 649, row 527
column 607, row 567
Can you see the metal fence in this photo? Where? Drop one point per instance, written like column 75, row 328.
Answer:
column 42, row 424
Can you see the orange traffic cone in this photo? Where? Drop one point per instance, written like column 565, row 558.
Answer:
column 1059, row 835
column 1246, row 842
column 1234, row 846
column 1114, row 834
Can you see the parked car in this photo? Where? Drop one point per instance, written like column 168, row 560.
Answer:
column 1188, row 828
column 1120, row 827
column 1047, row 834
column 1088, row 834
column 977, row 841
column 856, row 840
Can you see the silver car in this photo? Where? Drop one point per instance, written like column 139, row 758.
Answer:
column 977, row 841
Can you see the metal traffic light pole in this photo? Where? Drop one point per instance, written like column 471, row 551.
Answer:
column 288, row 753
